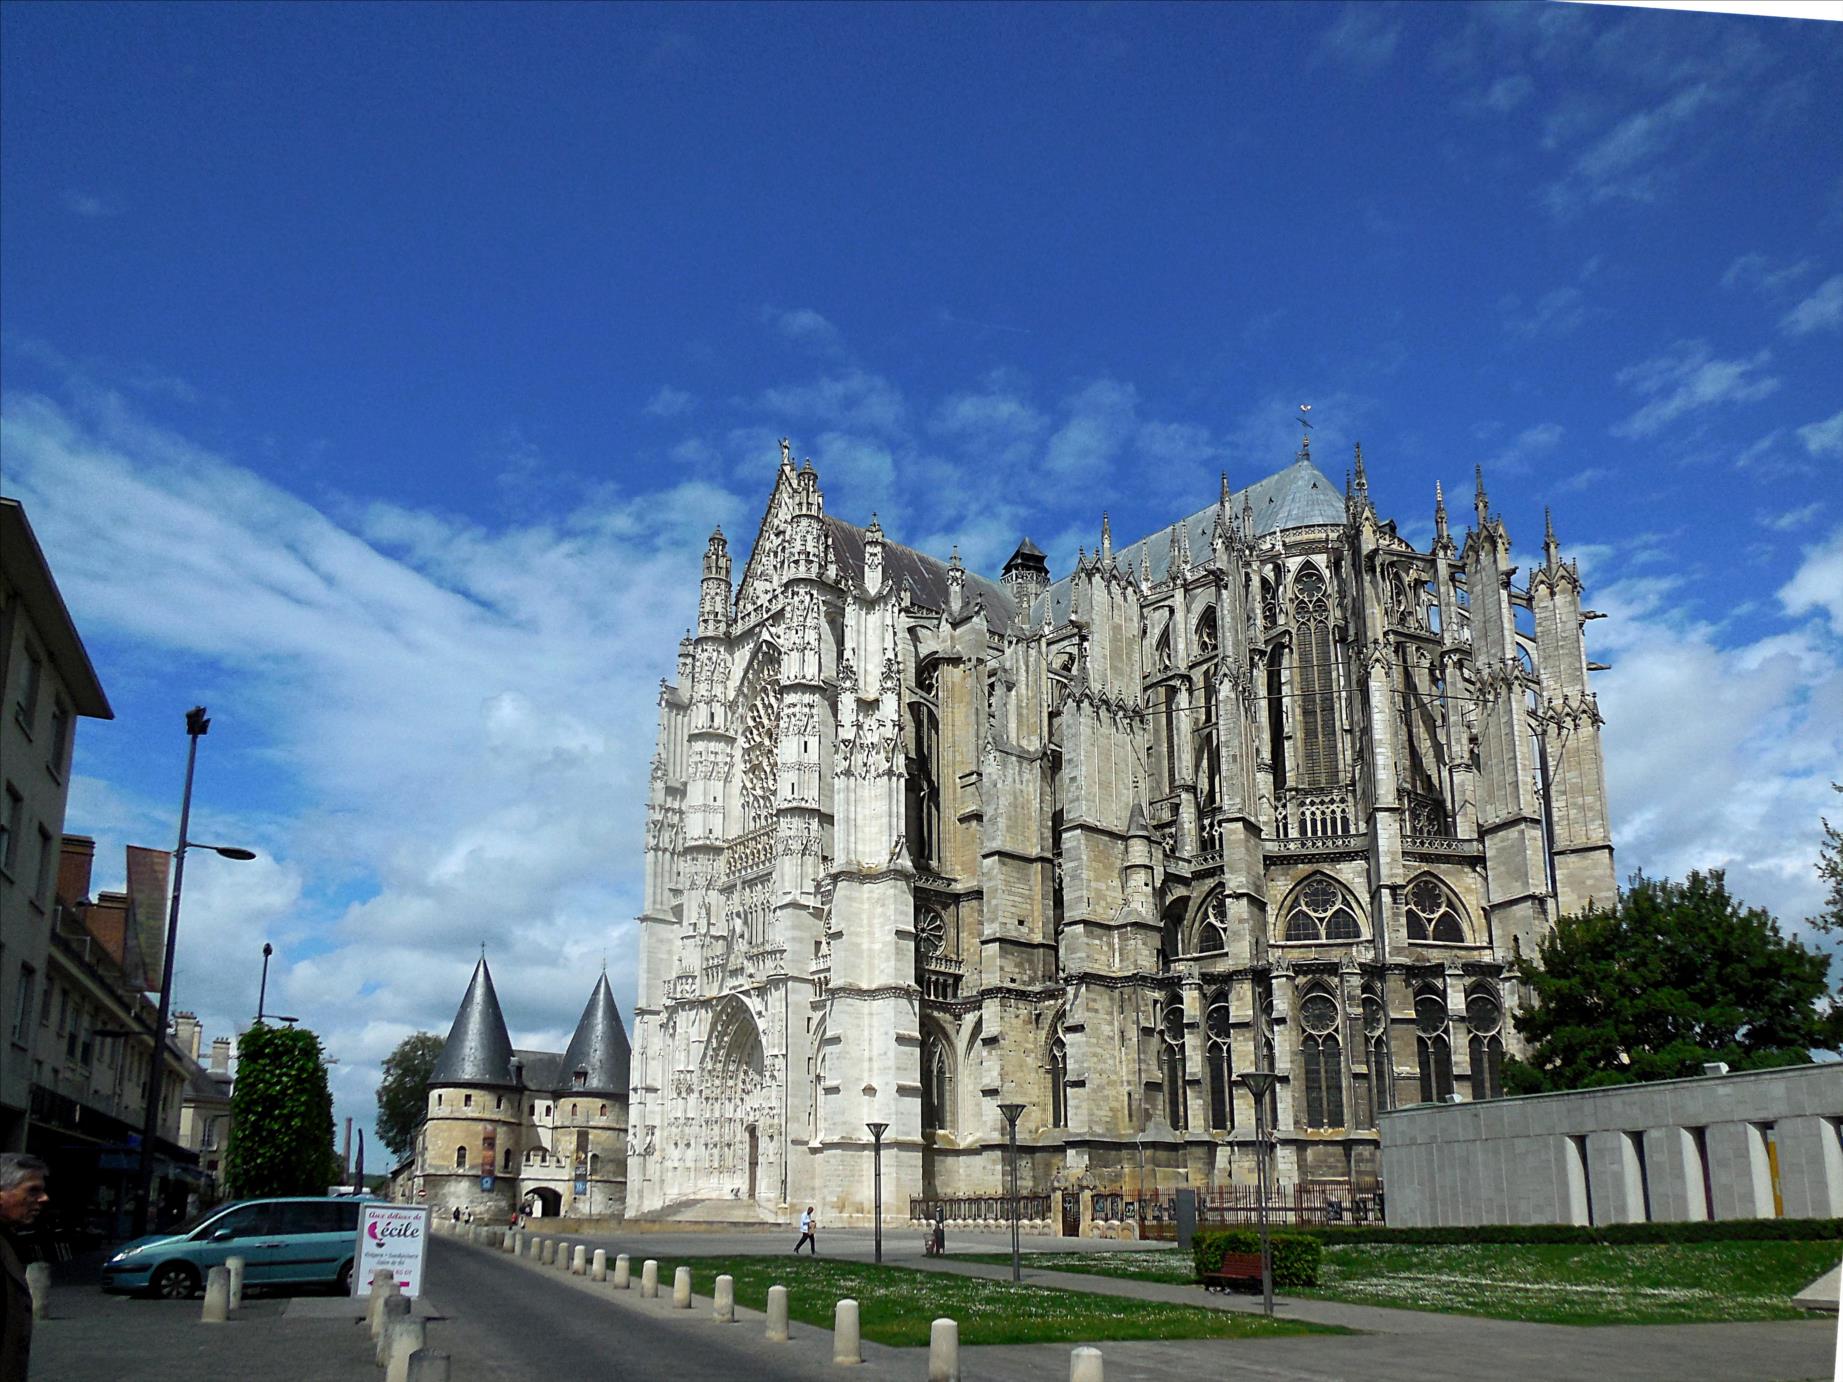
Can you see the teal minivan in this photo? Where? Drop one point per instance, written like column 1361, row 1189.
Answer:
column 283, row 1242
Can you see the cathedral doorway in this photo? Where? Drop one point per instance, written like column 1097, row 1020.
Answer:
column 736, row 1101
column 543, row 1203
column 754, row 1159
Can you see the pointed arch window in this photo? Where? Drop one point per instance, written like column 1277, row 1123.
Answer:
column 1433, row 1045
column 1171, row 1061
column 1484, row 1014
column 1434, row 914
column 1218, row 1027
column 1316, row 681
column 937, row 1083
column 1208, row 640
column 1058, row 1076
column 1321, row 909
column 1161, row 649
column 922, row 788
column 1213, row 927
column 1322, row 1056
column 1171, row 933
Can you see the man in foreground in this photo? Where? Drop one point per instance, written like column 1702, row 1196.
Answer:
column 22, row 1196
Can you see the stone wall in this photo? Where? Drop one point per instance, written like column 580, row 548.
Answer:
column 1758, row 1145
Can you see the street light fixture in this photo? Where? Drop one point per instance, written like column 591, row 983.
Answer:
column 876, row 1133
column 262, row 994
column 1011, row 1112
column 1260, row 1085
column 197, row 726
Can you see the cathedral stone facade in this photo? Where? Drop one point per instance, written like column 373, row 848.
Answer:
column 540, row 1131
column 1268, row 789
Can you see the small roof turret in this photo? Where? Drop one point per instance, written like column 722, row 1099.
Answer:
column 478, row 1050
column 599, row 1049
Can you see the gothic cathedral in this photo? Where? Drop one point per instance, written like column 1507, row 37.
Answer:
column 1270, row 789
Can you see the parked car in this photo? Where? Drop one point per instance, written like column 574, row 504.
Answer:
column 283, row 1242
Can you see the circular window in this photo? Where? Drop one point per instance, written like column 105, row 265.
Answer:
column 1482, row 1013
column 1430, row 1013
column 1218, row 1021
column 1374, row 1018
column 1318, row 1013
column 1174, row 1020
column 930, row 933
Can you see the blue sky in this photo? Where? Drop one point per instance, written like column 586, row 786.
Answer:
column 373, row 374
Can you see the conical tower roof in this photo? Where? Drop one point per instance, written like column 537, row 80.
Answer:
column 599, row 1048
column 478, row 1050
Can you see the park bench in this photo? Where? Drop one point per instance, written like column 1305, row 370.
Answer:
column 1237, row 1269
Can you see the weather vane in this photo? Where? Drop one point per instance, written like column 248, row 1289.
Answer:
column 1305, row 421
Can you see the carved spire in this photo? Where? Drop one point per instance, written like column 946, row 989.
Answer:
column 1106, row 539
column 1362, row 477
column 1441, row 535
column 1551, row 551
column 1479, row 503
column 873, row 556
column 956, row 582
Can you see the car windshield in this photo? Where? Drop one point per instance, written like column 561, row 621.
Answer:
column 200, row 1219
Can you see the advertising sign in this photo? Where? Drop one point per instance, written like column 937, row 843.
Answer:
column 394, row 1237
column 489, row 1156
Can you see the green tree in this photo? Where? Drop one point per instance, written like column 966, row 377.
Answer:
column 1674, row 975
column 1830, row 869
column 281, row 1124
column 403, row 1092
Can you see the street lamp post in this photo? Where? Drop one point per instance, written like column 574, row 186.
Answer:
column 197, row 726
column 262, row 994
column 876, row 1133
column 1011, row 1112
column 1260, row 1084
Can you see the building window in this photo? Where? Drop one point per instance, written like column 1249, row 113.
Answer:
column 581, row 1080
column 499, row 1101
column 604, row 1112
column 10, row 824
column 922, row 788
column 1171, row 1062
column 22, row 1003
column 1323, row 1059
column 1376, row 1052
column 1485, row 1016
column 1321, row 910
column 1317, row 685
column 573, row 1108
column 505, row 1159
column 937, row 1084
column 467, row 1101
column 1213, row 928
column 1216, row 1026
column 26, row 708
column 47, row 859
column 438, row 1101
column 1433, row 1044
column 57, row 752
column 460, row 1158
column 1433, row 913
column 1058, row 1077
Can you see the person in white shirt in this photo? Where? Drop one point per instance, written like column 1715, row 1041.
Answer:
column 807, row 1224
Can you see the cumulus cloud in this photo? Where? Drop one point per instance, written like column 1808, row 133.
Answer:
column 803, row 326
column 1687, row 378
column 1761, row 272
column 1363, row 36
column 669, row 402
column 1824, row 438
column 1817, row 586
column 1527, row 447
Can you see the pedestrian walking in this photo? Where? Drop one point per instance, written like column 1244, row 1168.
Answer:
column 22, row 1196
column 807, row 1225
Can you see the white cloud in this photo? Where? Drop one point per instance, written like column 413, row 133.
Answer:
column 854, row 399
column 1759, row 271
column 1824, row 438
column 1554, row 314
column 427, row 708
column 1528, row 446
column 1507, row 93
column 1822, row 311
column 1102, row 418
column 1687, row 378
column 803, row 326
column 1817, row 585
column 1790, row 519
column 669, row 402
column 1363, row 36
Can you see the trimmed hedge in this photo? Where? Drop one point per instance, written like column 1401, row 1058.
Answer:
column 1295, row 1255
column 1705, row 1231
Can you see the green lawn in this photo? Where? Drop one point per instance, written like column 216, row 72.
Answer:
column 1673, row 1283
column 896, row 1305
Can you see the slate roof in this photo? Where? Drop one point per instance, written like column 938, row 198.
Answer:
column 599, row 1047
column 478, row 1050
column 925, row 575
column 1298, row 497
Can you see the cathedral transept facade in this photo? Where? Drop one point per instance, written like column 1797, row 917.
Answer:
column 1267, row 789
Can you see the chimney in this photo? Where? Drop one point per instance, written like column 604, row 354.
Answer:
column 220, row 1055
column 75, row 855
column 186, row 1033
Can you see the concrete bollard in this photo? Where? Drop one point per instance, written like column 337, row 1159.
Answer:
column 383, row 1284
column 623, row 1271
column 404, row 1337
column 723, row 1300
column 598, row 1265
column 38, row 1280
column 845, row 1345
column 579, row 1260
column 380, row 1307
column 426, row 1365
column 777, row 1314
column 1085, row 1365
column 396, row 1309
column 510, row 1242
column 217, row 1297
column 549, row 1258
column 649, row 1279
column 944, row 1351
column 235, row 1266
column 681, row 1289
column 536, row 1246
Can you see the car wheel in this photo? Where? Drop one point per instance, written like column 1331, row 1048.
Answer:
column 174, row 1281
column 343, row 1282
